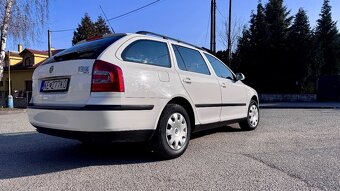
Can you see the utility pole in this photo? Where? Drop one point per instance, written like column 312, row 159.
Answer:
column 213, row 27
column 229, row 33
column 49, row 43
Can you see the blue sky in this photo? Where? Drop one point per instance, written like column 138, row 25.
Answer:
column 183, row 19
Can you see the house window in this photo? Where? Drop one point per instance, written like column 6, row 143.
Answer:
column 28, row 61
column 1, row 83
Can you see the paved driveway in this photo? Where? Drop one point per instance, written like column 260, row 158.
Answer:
column 292, row 150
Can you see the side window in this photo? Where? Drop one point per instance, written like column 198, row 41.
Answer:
column 219, row 67
column 190, row 60
column 148, row 52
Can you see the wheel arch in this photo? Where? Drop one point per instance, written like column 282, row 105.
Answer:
column 255, row 98
column 187, row 106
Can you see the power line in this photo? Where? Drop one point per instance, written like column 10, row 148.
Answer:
column 119, row 16
column 63, row 30
column 206, row 34
column 106, row 18
column 135, row 10
column 223, row 17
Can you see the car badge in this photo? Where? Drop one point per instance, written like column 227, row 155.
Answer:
column 83, row 69
column 51, row 69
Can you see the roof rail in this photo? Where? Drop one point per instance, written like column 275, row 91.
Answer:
column 208, row 50
column 166, row 37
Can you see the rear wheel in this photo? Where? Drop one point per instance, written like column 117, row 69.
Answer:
column 173, row 132
column 253, row 117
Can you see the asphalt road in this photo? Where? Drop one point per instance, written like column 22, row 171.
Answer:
column 291, row 150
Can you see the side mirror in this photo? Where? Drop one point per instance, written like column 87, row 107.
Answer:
column 240, row 77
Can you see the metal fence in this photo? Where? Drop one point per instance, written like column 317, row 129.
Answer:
column 20, row 98
column 329, row 88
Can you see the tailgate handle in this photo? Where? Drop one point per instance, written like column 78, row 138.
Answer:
column 187, row 80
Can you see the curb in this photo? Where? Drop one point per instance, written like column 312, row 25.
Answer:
column 11, row 111
column 297, row 107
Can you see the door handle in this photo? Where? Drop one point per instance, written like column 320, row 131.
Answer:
column 187, row 80
column 224, row 85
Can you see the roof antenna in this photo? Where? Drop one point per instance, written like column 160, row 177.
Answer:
column 107, row 19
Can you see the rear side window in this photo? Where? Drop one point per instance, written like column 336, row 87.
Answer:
column 190, row 60
column 86, row 50
column 148, row 52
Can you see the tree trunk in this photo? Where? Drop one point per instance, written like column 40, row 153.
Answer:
column 4, row 32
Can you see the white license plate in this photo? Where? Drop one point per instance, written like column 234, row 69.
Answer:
column 55, row 85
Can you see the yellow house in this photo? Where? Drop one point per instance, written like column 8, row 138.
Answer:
column 22, row 65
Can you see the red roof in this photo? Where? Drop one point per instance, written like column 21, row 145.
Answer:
column 20, row 66
column 13, row 53
column 43, row 52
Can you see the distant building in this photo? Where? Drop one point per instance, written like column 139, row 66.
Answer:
column 22, row 64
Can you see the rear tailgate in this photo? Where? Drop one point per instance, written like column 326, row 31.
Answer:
column 65, row 79
column 66, row 83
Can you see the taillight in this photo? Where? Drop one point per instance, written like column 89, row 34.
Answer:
column 106, row 77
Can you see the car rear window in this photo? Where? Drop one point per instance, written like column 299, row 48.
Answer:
column 86, row 50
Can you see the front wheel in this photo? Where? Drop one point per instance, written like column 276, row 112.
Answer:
column 172, row 136
column 253, row 117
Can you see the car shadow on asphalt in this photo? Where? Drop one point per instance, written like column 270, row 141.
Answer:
column 31, row 153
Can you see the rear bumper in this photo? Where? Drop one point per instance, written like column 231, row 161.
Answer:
column 112, row 122
column 120, row 136
column 95, row 107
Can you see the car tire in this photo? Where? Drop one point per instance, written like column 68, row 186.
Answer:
column 253, row 117
column 173, row 132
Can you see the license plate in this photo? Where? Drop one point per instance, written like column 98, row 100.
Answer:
column 55, row 85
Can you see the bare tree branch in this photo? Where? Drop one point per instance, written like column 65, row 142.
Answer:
column 22, row 20
column 236, row 32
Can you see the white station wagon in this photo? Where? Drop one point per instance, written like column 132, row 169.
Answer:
column 138, row 87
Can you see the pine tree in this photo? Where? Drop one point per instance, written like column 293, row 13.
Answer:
column 258, row 28
column 222, row 55
column 251, row 50
column 326, row 36
column 101, row 26
column 242, row 56
column 300, row 53
column 85, row 30
column 259, row 45
column 338, row 52
column 278, row 21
